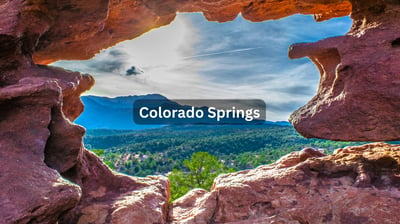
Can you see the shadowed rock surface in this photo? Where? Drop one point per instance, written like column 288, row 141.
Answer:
column 48, row 177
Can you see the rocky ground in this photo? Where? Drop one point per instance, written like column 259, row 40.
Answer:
column 354, row 185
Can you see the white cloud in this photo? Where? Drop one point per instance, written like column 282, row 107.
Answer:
column 192, row 58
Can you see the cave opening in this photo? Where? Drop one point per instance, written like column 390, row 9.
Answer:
column 192, row 58
column 50, row 163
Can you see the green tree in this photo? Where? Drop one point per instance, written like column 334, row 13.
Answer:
column 202, row 169
column 99, row 152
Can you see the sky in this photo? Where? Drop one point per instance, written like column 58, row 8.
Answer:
column 195, row 59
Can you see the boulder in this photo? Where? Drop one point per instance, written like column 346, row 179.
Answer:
column 353, row 185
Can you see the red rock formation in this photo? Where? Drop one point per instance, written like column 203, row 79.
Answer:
column 358, row 97
column 73, row 30
column 40, row 149
column 354, row 185
column 47, row 175
column 38, row 143
column 341, row 110
column 109, row 197
column 31, row 191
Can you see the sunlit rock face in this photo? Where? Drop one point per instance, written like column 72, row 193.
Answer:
column 33, row 192
column 354, row 185
column 358, row 96
column 78, row 30
column 48, row 177
column 356, row 100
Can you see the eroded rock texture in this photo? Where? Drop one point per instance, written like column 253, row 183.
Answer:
column 115, row 198
column 48, row 177
column 79, row 30
column 354, row 185
column 31, row 191
column 358, row 96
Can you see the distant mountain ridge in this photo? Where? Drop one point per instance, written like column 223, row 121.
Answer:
column 117, row 113
column 112, row 113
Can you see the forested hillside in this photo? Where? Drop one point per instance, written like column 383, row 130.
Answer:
column 158, row 151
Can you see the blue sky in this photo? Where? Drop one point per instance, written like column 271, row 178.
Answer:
column 194, row 58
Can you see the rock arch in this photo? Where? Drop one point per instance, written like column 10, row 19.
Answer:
column 40, row 149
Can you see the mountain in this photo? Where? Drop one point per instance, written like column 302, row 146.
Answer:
column 112, row 113
column 117, row 113
column 279, row 123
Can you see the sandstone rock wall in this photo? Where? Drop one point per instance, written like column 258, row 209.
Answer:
column 73, row 29
column 48, row 177
column 354, row 185
column 358, row 96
